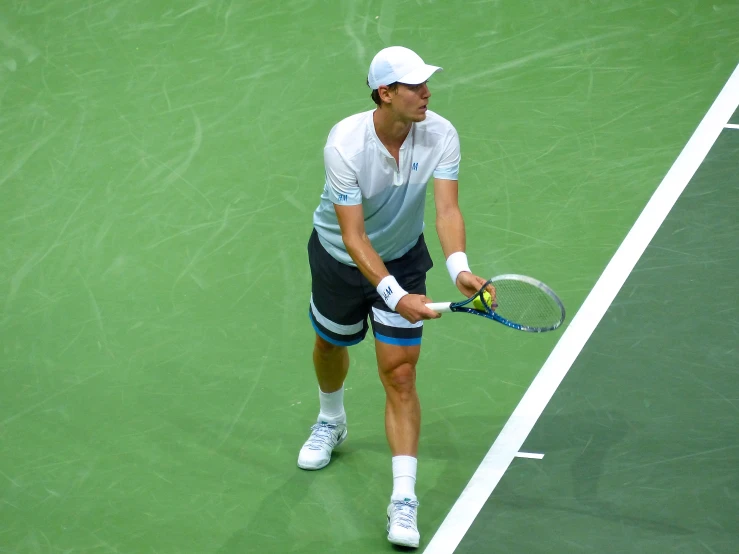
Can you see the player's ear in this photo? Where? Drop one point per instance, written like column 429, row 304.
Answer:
column 385, row 93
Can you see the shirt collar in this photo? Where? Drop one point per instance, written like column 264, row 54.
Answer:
column 383, row 148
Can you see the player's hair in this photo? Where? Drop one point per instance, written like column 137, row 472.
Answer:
column 376, row 95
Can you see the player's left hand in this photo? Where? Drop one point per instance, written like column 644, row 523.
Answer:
column 468, row 284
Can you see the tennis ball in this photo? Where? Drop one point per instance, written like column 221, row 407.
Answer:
column 477, row 302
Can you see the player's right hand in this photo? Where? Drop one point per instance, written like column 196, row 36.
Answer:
column 413, row 308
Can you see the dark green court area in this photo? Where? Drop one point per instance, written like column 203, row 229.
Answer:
column 640, row 441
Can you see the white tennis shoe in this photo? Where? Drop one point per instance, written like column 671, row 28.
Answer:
column 324, row 437
column 402, row 522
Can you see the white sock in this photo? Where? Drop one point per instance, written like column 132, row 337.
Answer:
column 332, row 406
column 404, row 477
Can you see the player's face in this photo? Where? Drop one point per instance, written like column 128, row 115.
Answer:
column 411, row 101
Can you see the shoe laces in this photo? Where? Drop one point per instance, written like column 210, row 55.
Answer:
column 322, row 434
column 404, row 513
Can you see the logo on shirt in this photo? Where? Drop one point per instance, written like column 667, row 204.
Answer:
column 415, row 166
column 343, row 197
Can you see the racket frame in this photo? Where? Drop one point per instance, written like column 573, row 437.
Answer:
column 489, row 313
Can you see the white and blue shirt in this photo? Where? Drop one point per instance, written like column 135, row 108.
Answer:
column 360, row 170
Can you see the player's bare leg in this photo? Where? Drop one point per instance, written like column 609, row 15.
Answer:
column 397, row 368
column 331, row 363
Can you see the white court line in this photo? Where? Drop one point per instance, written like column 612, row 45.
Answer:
column 518, row 427
column 732, row 126
column 530, row 455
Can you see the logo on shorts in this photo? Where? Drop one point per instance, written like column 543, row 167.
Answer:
column 415, row 166
column 343, row 198
column 387, row 293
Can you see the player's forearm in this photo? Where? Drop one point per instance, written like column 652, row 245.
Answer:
column 366, row 257
column 450, row 228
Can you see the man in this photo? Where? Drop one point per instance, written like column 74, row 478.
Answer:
column 368, row 258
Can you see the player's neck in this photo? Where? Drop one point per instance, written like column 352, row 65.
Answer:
column 390, row 130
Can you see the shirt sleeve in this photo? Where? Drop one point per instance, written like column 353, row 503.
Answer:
column 448, row 167
column 341, row 181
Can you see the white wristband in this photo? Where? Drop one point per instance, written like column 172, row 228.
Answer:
column 390, row 291
column 457, row 263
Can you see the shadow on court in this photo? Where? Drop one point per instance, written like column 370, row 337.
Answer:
column 341, row 508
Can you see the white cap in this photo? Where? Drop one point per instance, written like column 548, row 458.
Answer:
column 397, row 64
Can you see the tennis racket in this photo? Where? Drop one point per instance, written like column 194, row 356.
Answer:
column 519, row 302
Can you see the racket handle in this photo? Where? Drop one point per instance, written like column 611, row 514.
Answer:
column 440, row 307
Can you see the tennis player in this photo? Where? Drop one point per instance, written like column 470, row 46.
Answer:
column 368, row 258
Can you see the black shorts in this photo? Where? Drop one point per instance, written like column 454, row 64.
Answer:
column 342, row 297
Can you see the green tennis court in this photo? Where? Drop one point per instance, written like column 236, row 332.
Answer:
column 159, row 165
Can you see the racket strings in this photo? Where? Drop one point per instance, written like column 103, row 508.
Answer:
column 526, row 304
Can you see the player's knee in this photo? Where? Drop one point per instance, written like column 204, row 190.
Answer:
column 402, row 377
column 325, row 348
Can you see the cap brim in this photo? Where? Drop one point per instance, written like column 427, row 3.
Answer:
column 420, row 75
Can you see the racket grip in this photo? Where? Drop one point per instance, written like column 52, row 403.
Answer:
column 440, row 307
